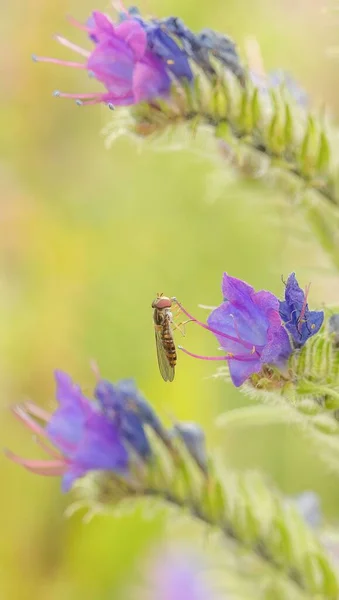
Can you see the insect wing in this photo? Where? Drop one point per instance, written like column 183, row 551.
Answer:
column 166, row 370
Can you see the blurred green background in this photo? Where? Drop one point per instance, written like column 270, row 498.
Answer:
column 88, row 235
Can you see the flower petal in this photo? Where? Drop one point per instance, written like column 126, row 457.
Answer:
column 150, row 79
column 134, row 35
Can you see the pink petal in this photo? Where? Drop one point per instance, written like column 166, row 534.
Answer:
column 134, row 35
column 148, row 82
column 103, row 23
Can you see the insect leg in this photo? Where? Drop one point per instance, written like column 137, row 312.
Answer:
column 181, row 326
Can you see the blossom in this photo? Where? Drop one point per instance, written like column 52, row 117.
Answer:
column 86, row 435
column 248, row 327
column 301, row 322
column 121, row 60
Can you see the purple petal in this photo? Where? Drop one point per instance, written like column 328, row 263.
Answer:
column 239, row 323
column 134, row 35
column 101, row 446
column 265, row 300
column 236, row 290
column 150, row 79
column 112, row 64
column 241, row 370
column 66, row 425
column 278, row 347
column 102, row 24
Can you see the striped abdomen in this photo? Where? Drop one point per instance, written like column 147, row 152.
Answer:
column 167, row 340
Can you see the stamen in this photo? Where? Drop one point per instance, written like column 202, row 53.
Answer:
column 95, row 370
column 53, row 453
column 203, row 357
column 77, row 24
column 57, row 61
column 239, row 357
column 119, row 7
column 37, row 411
column 58, row 94
column 247, row 345
column 41, row 467
column 27, row 421
column 72, row 46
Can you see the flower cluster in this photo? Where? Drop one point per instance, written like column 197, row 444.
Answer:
column 107, row 433
column 256, row 329
column 137, row 60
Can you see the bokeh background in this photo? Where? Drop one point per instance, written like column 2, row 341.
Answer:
column 88, row 235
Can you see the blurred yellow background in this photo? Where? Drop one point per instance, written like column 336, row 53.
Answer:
column 88, row 235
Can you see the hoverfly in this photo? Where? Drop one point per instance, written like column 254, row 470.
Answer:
column 166, row 352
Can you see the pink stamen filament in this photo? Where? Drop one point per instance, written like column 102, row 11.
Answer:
column 53, row 453
column 37, row 411
column 77, row 24
column 25, row 418
column 28, row 422
column 77, row 96
column 41, row 467
column 119, row 7
column 72, row 46
column 247, row 345
column 240, row 357
column 57, row 61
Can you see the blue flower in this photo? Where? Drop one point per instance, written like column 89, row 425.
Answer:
column 89, row 436
column 122, row 401
column 163, row 46
column 299, row 321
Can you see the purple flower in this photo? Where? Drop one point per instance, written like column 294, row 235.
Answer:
column 86, row 436
column 248, row 327
column 301, row 322
column 121, row 61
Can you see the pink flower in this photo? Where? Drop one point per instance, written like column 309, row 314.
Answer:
column 120, row 60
